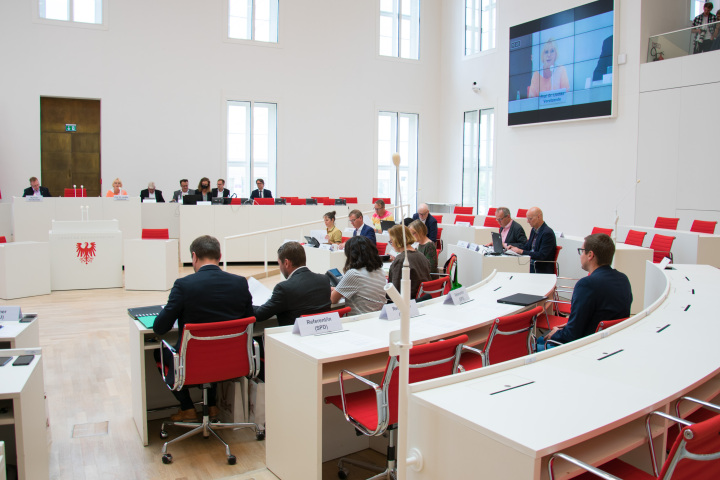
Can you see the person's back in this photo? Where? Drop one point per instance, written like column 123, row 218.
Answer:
column 419, row 270
column 363, row 291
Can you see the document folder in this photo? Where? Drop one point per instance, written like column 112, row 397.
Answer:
column 522, row 299
column 145, row 315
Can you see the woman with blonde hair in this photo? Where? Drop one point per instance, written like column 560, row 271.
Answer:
column 425, row 245
column 419, row 265
column 116, row 189
column 549, row 77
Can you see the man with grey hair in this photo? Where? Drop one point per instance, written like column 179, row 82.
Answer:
column 423, row 214
column 151, row 193
column 512, row 233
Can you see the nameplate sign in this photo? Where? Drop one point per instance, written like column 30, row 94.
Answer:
column 122, row 198
column 457, row 297
column 664, row 263
column 149, row 200
column 462, row 244
column 474, row 247
column 31, row 198
column 391, row 311
column 317, row 324
column 10, row 313
column 326, row 246
column 204, row 202
column 463, row 224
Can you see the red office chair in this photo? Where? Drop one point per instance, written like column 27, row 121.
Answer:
column 606, row 231
column 236, row 201
column 510, row 337
column 667, row 222
column 327, row 201
column 695, row 454
column 3, row 239
column 75, row 192
column 702, row 226
column 288, row 199
column 465, row 218
column 340, row 311
column 349, row 200
column 264, row 201
column 386, row 200
column 298, row 201
column 635, row 237
column 382, row 247
column 155, row 234
column 705, row 412
column 491, row 211
column 344, row 239
column 608, row 323
column 522, row 213
column 434, row 288
column 463, row 210
column 555, row 261
column 374, row 410
column 491, row 222
column 661, row 245
column 439, row 233
column 211, row 352
column 438, row 218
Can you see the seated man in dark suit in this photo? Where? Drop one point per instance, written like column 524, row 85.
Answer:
column 151, row 193
column 358, row 222
column 220, row 189
column 541, row 245
column 184, row 190
column 512, row 233
column 207, row 296
column 423, row 214
column 261, row 191
column 303, row 292
column 35, row 190
column 605, row 294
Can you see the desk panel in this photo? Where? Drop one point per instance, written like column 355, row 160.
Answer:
column 473, row 267
column 688, row 247
column 6, row 229
column 24, row 269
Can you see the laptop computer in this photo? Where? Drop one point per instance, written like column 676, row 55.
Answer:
column 522, row 299
column 312, row 241
column 386, row 225
column 191, row 199
column 497, row 245
column 220, row 201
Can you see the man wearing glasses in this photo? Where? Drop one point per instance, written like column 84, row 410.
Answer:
column 540, row 246
column 512, row 233
column 261, row 191
column 605, row 294
column 423, row 214
column 358, row 223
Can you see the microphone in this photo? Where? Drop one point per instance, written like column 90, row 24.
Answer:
column 617, row 216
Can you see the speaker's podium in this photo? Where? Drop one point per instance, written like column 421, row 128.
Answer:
column 85, row 254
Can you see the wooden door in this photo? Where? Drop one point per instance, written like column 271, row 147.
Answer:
column 70, row 157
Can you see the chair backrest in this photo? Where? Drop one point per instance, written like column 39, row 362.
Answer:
column 155, row 233
column 298, row 201
column 465, row 218
column 213, row 352
column 384, row 199
column 349, row 199
column 450, row 265
column 3, row 239
column 702, row 226
column 75, row 192
column 434, row 288
column 491, row 222
column 510, row 337
column 695, row 452
column 463, row 210
column 661, row 246
column 288, row 199
column 439, row 220
column 667, row 222
column 320, row 199
column 606, row 231
column 439, row 233
column 264, row 201
column 522, row 213
column 236, row 201
column 492, row 211
column 608, row 323
column 327, row 201
column 382, row 247
column 340, row 311
column 345, row 239
column 635, row 237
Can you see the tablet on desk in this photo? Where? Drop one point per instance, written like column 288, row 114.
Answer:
column 522, row 299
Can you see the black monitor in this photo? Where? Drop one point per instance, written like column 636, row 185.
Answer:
column 311, row 201
column 340, row 201
column 280, row 201
column 191, row 199
column 386, row 225
column 220, row 201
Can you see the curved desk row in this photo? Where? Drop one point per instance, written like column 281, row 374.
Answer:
column 588, row 398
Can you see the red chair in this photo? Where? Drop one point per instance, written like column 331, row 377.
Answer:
column 439, row 233
column 340, row 311
column 386, row 200
column 288, row 199
column 211, row 352
column 491, row 211
column 345, row 239
column 439, row 220
column 298, row 201
column 155, row 234
column 702, row 226
column 75, row 192
column 3, row 239
column 463, row 210
column 667, row 222
column 327, row 201
column 608, row 323
column 236, row 201
column 465, row 218
column 522, row 213
column 635, row 237
column 374, row 411
column 661, row 245
column 349, row 199
column 555, row 261
column 510, row 337
column 606, row 231
column 264, row 201
column 434, row 288
column 320, row 199
column 382, row 247
column 491, row 222
column 439, row 243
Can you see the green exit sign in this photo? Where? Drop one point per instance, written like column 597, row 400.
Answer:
column 71, row 127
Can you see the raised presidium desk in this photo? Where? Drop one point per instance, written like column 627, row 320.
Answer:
column 24, row 269
column 301, row 371
column 688, row 247
column 629, row 260
column 587, row 398
column 473, row 266
column 22, row 415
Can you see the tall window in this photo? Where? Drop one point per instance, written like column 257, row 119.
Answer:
column 79, row 11
column 398, row 132
column 251, row 145
column 253, row 20
column 400, row 28
column 696, row 7
column 480, row 18
column 478, row 137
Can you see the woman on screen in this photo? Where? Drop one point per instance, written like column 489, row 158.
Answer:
column 549, row 77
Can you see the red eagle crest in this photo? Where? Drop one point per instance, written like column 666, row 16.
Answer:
column 86, row 253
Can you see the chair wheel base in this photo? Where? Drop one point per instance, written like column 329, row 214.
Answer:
column 260, row 435
column 167, row 459
column 231, row 460
column 164, row 434
column 343, row 474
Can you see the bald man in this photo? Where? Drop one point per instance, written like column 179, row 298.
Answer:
column 541, row 245
column 423, row 214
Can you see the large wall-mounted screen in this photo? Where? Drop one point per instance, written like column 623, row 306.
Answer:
column 561, row 66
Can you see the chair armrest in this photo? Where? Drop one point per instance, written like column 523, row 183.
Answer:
column 255, row 359
column 176, row 357
column 476, row 352
column 382, row 419
column 648, row 429
column 586, row 466
column 708, row 405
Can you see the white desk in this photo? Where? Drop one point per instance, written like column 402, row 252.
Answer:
column 629, row 260
column 24, row 269
column 452, row 234
column 6, row 229
column 474, row 267
column 595, row 409
column 688, row 247
column 151, row 264
column 161, row 215
column 15, row 334
column 319, row 260
column 449, row 219
column 301, row 371
column 22, row 392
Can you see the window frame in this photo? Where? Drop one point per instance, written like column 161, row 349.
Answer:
column 247, row 41
column 397, row 31
column 492, row 5
column 412, row 187
column 105, row 5
column 488, row 169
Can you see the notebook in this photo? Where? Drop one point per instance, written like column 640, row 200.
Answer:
column 522, row 299
column 145, row 315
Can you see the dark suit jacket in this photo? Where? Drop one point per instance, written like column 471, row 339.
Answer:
column 431, row 224
column 146, row 194
column 516, row 236
column 177, row 193
column 256, row 194
column 209, row 194
column 604, row 295
column 303, row 293
column 369, row 232
column 226, row 193
column 28, row 192
column 207, row 296
column 545, row 244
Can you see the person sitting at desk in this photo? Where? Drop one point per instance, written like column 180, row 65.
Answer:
column 204, row 189
column 419, row 265
column 358, row 223
column 334, row 235
column 303, row 292
column 425, row 245
column 605, row 294
column 116, row 189
column 512, row 233
column 207, row 296
column 423, row 214
column 261, row 191
column 363, row 282
column 541, row 246
column 216, row 192
column 184, row 190
column 35, row 190
column 381, row 215
column 151, row 193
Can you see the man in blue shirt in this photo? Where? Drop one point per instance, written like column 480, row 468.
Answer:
column 358, row 223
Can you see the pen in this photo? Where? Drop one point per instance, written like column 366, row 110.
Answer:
column 663, row 328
